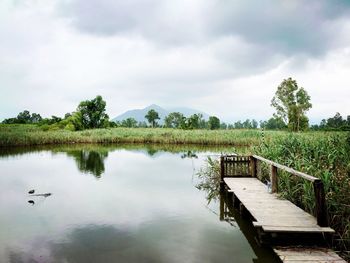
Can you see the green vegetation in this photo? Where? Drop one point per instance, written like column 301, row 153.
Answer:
column 325, row 157
column 17, row 134
column 291, row 103
column 214, row 123
column 336, row 123
column 152, row 117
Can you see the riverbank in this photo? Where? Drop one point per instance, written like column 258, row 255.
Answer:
column 22, row 135
column 26, row 135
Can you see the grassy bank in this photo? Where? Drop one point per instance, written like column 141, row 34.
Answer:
column 21, row 135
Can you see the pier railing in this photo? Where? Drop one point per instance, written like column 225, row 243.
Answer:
column 246, row 166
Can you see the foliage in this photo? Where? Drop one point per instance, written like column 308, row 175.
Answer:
column 274, row 123
column 214, row 123
column 93, row 113
column 23, row 118
column 174, row 120
column 326, row 156
column 247, row 124
column 336, row 123
column 152, row 116
column 291, row 103
column 129, row 123
column 209, row 177
column 60, row 133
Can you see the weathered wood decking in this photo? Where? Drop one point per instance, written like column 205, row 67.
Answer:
column 273, row 216
column 307, row 255
column 271, row 213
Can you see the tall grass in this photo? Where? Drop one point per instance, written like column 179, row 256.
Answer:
column 16, row 135
column 326, row 156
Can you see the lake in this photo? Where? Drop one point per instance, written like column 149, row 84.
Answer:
column 128, row 203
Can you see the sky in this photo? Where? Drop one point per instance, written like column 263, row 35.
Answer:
column 223, row 57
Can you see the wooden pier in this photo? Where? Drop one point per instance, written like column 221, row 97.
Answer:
column 278, row 221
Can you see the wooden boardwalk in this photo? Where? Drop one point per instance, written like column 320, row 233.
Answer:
column 271, row 213
column 274, row 217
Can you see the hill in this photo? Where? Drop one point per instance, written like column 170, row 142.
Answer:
column 139, row 114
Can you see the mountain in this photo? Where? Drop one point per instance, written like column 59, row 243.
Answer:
column 139, row 114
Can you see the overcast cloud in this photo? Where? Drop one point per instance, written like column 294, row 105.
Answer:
column 222, row 57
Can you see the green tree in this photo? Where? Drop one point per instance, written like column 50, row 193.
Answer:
column 24, row 117
column 274, row 123
column 193, row 122
column 152, row 117
column 35, row 118
column 214, row 123
column 254, row 124
column 129, row 123
column 238, row 125
column 93, row 113
column 291, row 104
column 174, row 120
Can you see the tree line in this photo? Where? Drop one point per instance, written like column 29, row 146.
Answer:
column 290, row 101
column 90, row 114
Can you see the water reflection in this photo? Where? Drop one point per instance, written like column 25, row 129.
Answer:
column 231, row 215
column 209, row 179
column 90, row 161
column 189, row 154
column 149, row 212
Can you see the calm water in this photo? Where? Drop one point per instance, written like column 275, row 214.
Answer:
column 115, row 204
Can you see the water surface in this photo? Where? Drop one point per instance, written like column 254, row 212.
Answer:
column 115, row 204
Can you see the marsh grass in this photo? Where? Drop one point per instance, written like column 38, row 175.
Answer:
column 20, row 135
column 325, row 156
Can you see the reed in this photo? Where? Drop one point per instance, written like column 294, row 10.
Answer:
column 326, row 156
column 20, row 135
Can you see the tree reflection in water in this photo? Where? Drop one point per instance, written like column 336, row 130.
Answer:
column 90, row 161
column 209, row 176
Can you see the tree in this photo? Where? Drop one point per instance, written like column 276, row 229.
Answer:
column 174, row 120
column 35, row 118
column 193, row 122
column 152, row 117
column 129, row 123
column 238, row 125
column 291, row 103
column 93, row 113
column 214, row 123
column 274, row 123
column 254, row 124
column 24, row 117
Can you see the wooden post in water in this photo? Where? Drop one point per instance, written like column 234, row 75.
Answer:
column 274, row 182
column 320, row 198
column 222, row 173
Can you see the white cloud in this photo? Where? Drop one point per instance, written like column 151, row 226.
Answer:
column 50, row 62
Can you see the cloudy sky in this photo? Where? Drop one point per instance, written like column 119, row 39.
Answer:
column 224, row 57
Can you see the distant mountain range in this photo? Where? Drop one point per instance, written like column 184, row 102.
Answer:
column 139, row 114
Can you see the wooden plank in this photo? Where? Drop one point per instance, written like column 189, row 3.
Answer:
column 271, row 213
column 296, row 229
column 302, row 254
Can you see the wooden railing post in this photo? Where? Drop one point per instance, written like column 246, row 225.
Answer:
column 222, row 173
column 274, row 182
column 320, row 198
column 253, row 166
